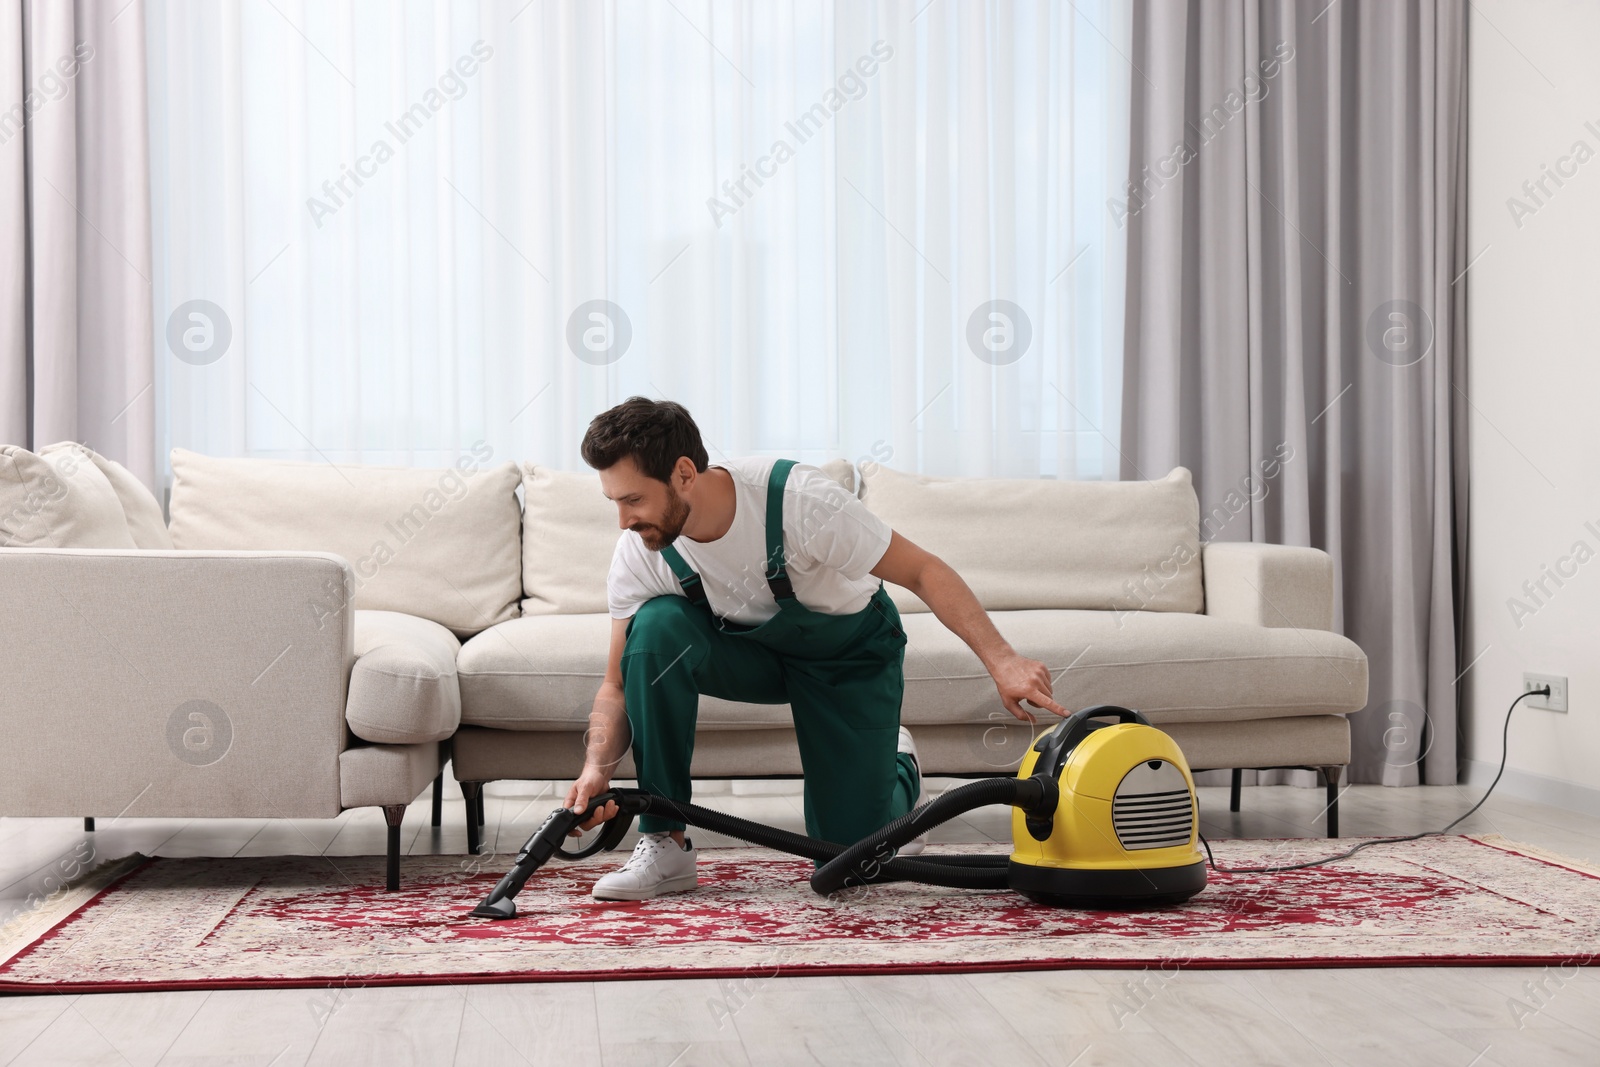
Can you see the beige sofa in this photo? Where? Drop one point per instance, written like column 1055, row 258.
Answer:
column 394, row 617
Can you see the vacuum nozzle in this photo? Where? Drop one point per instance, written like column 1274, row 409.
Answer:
column 496, row 908
column 546, row 842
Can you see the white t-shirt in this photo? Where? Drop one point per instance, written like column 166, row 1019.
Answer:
column 831, row 543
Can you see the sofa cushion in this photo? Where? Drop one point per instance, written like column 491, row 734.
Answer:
column 58, row 498
column 440, row 544
column 543, row 673
column 1174, row 667
column 1041, row 543
column 145, row 523
column 539, row 672
column 569, row 532
column 403, row 686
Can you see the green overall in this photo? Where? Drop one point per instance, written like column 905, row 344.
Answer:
column 842, row 676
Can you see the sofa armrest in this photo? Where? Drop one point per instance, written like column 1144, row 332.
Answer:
column 173, row 683
column 1269, row 585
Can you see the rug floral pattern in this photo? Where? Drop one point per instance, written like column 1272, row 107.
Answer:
column 205, row 923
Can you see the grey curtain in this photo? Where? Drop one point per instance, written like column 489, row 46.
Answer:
column 1295, row 315
column 75, row 310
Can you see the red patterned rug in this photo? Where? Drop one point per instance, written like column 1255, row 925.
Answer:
column 308, row 921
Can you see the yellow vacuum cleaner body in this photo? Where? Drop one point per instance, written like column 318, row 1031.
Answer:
column 1125, row 828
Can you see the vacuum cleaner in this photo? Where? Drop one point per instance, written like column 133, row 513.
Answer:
column 1104, row 816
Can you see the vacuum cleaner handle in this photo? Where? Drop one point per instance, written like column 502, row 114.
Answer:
column 1056, row 746
column 1100, row 711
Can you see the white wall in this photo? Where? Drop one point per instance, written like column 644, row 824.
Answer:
column 1533, row 333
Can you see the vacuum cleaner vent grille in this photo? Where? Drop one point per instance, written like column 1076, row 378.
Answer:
column 1153, row 807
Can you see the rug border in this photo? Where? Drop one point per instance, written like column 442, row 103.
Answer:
column 70, row 900
column 112, row 872
column 1535, row 852
column 8, row 988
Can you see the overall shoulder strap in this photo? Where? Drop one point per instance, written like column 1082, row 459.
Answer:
column 687, row 577
column 777, row 563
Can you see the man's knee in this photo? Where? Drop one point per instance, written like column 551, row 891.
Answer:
column 661, row 623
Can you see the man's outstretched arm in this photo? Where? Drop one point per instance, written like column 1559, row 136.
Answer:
column 1017, row 677
column 606, row 740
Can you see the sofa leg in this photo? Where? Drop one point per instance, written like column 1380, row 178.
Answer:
column 482, row 820
column 438, row 800
column 473, row 793
column 88, row 824
column 392, row 814
column 1331, row 776
column 1233, row 789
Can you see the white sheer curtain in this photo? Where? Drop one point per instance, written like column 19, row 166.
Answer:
column 400, row 217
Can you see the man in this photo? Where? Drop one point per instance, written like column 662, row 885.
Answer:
column 758, row 580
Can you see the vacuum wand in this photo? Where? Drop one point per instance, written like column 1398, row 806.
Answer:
column 536, row 852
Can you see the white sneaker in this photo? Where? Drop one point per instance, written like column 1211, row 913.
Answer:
column 916, row 844
column 657, row 866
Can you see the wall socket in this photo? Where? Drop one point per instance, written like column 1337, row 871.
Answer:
column 1556, row 701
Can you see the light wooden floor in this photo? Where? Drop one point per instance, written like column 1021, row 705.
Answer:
column 1453, row 1017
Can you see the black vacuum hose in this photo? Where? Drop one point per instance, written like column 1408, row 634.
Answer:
column 723, row 823
column 867, row 861
column 959, row 872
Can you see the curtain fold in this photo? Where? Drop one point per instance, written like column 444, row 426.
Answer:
column 76, row 338
column 1296, row 235
column 791, row 217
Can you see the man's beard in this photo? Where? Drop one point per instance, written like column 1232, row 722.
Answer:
column 671, row 524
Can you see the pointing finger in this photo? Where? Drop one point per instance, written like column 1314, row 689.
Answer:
column 1040, row 698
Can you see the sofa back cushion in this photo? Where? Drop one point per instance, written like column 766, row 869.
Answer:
column 146, row 525
column 1042, row 543
column 569, row 532
column 442, row 544
column 58, row 498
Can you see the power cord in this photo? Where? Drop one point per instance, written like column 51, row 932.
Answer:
column 1505, row 735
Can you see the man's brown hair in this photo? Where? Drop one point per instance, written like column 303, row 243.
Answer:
column 654, row 432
